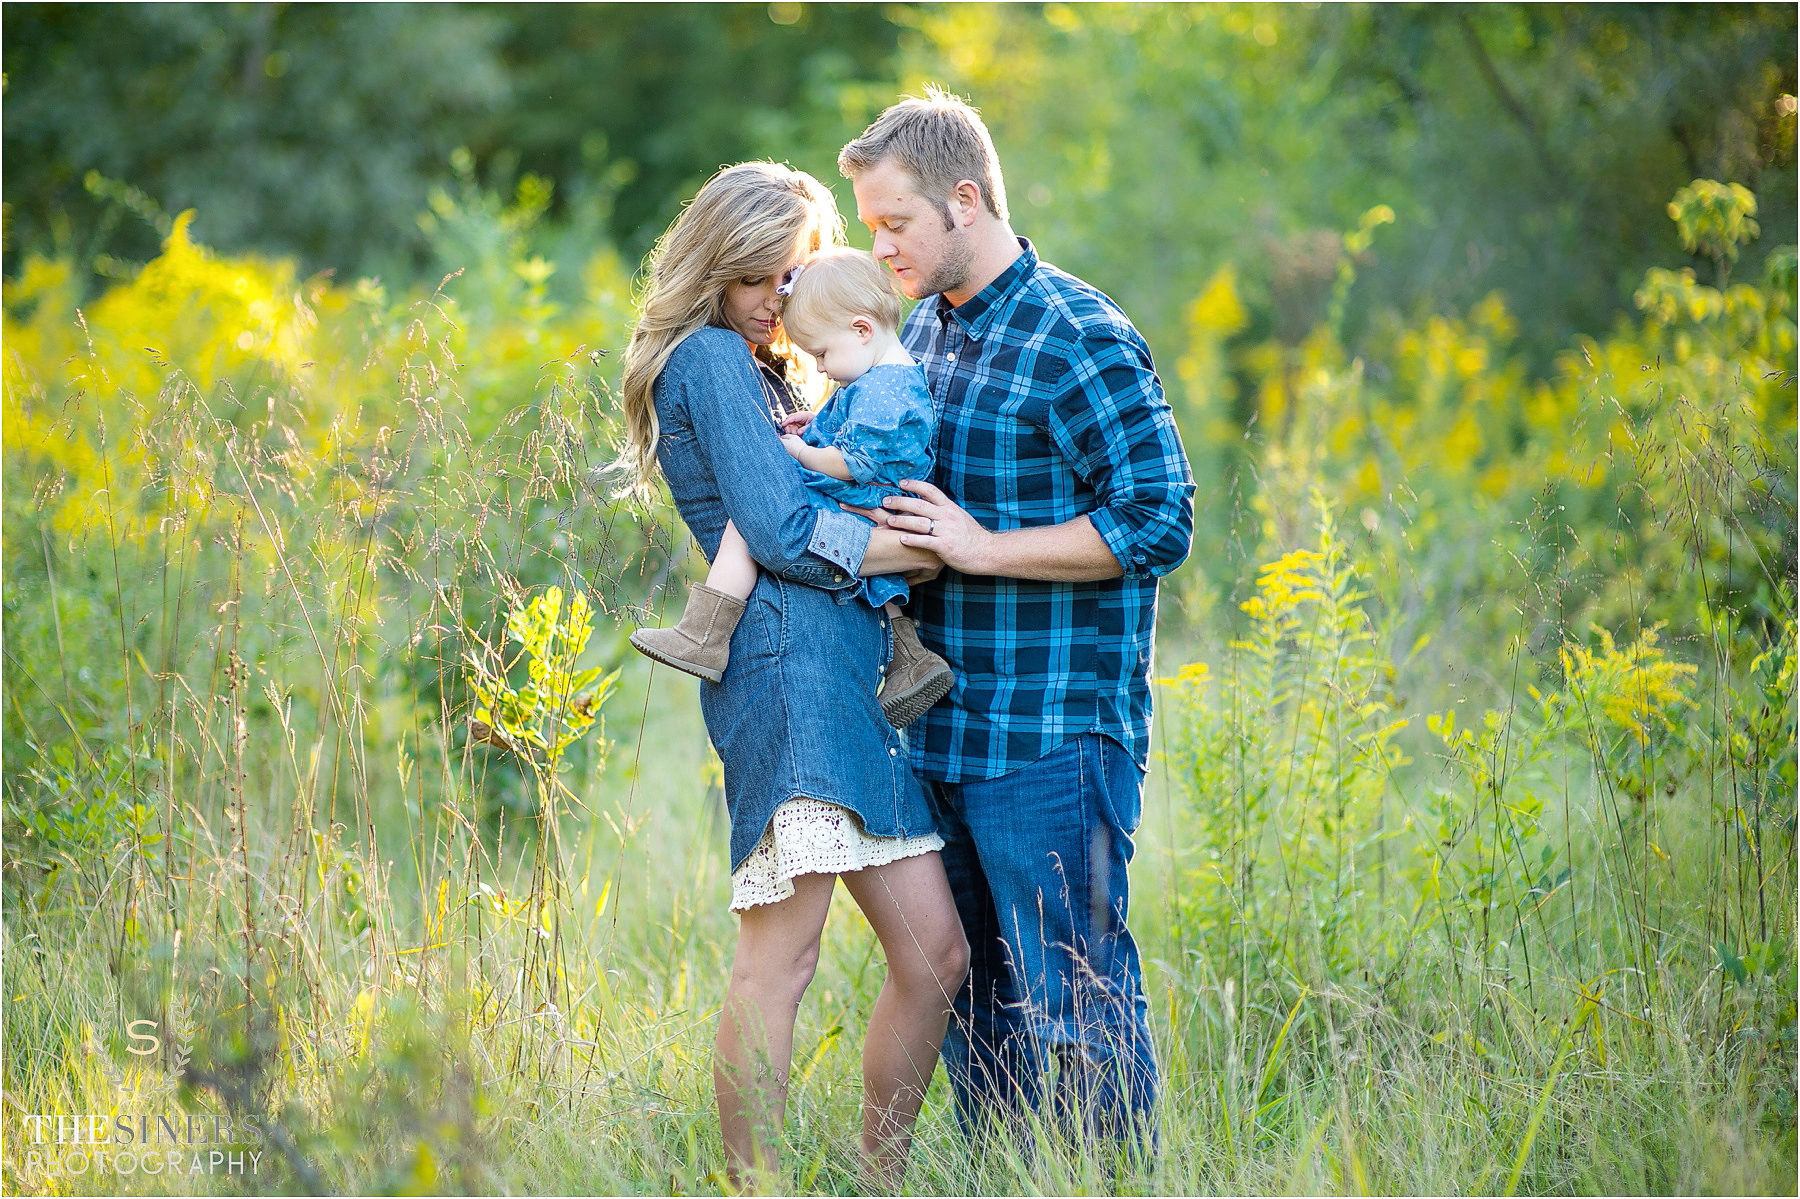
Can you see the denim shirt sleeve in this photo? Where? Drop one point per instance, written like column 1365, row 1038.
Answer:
column 890, row 447
column 759, row 484
column 1112, row 421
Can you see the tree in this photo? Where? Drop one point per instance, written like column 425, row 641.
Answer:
column 318, row 130
column 310, row 130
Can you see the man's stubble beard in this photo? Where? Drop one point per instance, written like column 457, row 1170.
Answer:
column 952, row 271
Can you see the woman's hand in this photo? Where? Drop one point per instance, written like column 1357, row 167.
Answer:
column 923, row 575
column 889, row 555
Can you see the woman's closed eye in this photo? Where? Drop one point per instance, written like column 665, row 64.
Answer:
column 757, row 281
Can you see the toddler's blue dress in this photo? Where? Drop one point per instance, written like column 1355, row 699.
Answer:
column 882, row 424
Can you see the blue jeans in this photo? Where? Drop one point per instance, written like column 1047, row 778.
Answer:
column 1055, row 999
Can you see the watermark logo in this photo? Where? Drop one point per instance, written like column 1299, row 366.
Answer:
column 143, row 1041
column 132, row 1142
column 141, row 1136
column 143, row 1030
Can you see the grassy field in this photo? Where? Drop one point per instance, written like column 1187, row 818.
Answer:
column 399, row 1061
column 1467, row 865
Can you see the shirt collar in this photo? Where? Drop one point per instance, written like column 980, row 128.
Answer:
column 980, row 311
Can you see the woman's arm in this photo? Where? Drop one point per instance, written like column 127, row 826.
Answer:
column 758, row 483
column 888, row 555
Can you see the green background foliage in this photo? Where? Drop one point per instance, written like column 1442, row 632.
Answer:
column 1523, row 148
column 1469, row 853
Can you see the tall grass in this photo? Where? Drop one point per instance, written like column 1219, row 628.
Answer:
column 1431, row 899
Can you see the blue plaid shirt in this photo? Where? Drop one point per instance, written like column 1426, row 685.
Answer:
column 1048, row 408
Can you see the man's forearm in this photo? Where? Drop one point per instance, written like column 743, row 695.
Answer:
column 1067, row 553
column 1071, row 552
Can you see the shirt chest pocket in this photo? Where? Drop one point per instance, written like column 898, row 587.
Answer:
column 974, row 456
column 1034, row 458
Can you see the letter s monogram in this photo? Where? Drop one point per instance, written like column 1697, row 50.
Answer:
column 131, row 1031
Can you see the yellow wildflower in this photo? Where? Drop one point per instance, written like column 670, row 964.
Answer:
column 1283, row 584
column 1190, row 675
column 1632, row 686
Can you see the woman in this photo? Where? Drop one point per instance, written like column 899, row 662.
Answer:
column 816, row 780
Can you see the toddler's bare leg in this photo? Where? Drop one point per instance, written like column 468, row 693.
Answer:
column 701, row 643
column 733, row 569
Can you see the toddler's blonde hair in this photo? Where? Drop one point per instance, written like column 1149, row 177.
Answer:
column 836, row 285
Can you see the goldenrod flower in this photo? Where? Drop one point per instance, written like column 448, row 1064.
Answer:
column 1190, row 675
column 1284, row 584
column 1630, row 686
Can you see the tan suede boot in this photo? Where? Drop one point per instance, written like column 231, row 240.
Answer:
column 701, row 643
column 916, row 677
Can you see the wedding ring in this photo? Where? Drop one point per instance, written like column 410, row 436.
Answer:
column 931, row 528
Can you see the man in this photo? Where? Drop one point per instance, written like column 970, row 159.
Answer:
column 1062, row 493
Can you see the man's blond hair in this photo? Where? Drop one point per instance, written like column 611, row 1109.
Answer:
column 940, row 141
column 835, row 286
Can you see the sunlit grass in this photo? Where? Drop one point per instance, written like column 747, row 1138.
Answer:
column 1433, row 896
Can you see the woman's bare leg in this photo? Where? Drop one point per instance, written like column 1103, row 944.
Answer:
column 777, row 952
column 733, row 569
column 908, row 904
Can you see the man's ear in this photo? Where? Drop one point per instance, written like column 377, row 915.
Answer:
column 965, row 202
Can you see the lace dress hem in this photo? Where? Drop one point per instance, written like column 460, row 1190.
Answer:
column 811, row 836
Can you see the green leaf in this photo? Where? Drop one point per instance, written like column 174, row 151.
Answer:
column 1733, row 964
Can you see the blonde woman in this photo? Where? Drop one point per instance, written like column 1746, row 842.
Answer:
column 875, row 430
column 816, row 780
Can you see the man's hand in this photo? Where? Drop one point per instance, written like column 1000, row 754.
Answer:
column 1071, row 552
column 914, row 565
column 931, row 520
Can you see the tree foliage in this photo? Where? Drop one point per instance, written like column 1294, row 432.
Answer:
column 305, row 130
column 1521, row 148
column 1526, row 149
column 317, row 130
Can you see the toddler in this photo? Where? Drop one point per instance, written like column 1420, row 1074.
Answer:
column 872, row 432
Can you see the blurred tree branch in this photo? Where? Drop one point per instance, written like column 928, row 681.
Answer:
column 1554, row 171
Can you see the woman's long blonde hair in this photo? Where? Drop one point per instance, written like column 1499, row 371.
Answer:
column 746, row 222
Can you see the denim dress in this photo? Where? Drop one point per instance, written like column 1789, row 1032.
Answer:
column 795, row 714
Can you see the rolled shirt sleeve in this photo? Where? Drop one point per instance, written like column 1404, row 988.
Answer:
column 841, row 538
column 1112, row 422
